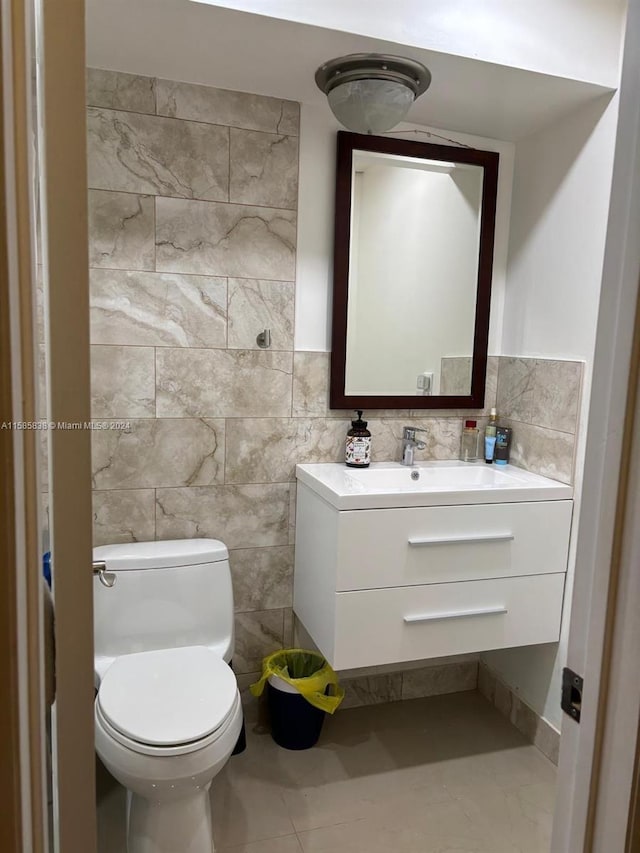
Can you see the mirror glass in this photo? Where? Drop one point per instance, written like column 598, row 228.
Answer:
column 411, row 284
column 415, row 235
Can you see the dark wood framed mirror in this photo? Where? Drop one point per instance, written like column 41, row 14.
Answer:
column 413, row 261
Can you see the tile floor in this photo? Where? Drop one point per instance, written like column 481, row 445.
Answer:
column 445, row 774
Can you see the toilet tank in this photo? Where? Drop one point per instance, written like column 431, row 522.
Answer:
column 166, row 595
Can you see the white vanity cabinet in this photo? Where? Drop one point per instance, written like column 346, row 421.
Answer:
column 380, row 585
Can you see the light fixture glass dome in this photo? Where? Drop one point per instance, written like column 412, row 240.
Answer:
column 371, row 92
column 370, row 106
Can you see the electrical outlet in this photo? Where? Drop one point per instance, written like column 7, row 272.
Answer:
column 425, row 383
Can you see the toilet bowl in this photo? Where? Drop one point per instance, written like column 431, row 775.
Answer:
column 166, row 718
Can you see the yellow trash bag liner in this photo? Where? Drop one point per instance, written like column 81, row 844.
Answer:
column 308, row 672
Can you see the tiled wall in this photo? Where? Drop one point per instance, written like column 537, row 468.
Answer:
column 193, row 195
column 540, row 400
column 536, row 729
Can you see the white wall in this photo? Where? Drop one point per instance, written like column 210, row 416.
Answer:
column 412, row 287
column 560, row 204
column 314, row 265
column 576, row 38
column 544, row 304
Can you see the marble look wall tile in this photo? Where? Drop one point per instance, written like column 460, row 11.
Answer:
column 547, row 740
column 503, row 699
column 542, row 392
column 256, row 716
column 264, row 169
column 249, row 702
column 542, row 451
column 287, row 628
column 534, row 728
column 455, row 375
column 118, row 91
column 256, row 304
column 262, row 578
column 258, row 634
column 486, row 682
column 122, row 382
column 241, row 516
column 491, row 383
column 211, row 238
column 292, row 513
column 556, row 395
column 161, row 156
column 123, row 516
column 310, row 384
column 311, row 390
column 301, row 637
column 149, row 453
column 372, row 414
column 221, row 106
column 436, row 680
column 478, row 415
column 523, row 718
column 121, row 230
column 371, row 690
column 442, row 438
column 266, row 450
column 223, row 383
column 516, row 380
column 158, row 309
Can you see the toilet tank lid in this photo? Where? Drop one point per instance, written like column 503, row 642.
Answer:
column 161, row 555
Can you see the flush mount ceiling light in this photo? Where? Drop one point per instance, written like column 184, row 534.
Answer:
column 372, row 92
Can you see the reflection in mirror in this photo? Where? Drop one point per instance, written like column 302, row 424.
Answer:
column 415, row 232
column 414, row 246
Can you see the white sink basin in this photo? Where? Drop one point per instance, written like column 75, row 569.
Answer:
column 389, row 484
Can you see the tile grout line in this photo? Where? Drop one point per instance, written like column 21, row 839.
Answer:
column 196, row 200
column 193, row 275
column 156, row 114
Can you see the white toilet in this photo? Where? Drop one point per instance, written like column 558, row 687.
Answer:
column 167, row 711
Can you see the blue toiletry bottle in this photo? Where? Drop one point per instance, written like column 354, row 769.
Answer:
column 503, row 445
column 490, row 437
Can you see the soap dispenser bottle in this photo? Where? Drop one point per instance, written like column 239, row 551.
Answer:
column 358, row 444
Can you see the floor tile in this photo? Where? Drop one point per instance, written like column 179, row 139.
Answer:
column 446, row 774
column 434, row 828
column 285, row 844
column 111, row 802
column 509, row 817
column 247, row 808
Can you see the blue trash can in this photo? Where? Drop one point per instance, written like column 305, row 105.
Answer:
column 295, row 723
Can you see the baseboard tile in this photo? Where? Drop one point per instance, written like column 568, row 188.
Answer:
column 536, row 729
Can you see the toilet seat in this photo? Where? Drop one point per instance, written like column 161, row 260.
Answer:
column 169, row 701
column 167, row 751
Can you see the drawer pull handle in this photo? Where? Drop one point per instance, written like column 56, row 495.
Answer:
column 454, row 614
column 461, row 540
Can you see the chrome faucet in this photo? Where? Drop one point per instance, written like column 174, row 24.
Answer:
column 410, row 443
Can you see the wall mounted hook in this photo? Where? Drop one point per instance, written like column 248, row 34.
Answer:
column 264, row 339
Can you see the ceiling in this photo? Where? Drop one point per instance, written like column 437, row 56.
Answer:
column 569, row 38
column 196, row 43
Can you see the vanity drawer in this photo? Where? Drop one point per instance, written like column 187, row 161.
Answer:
column 412, row 546
column 382, row 626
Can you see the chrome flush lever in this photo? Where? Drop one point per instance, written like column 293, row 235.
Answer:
column 106, row 578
